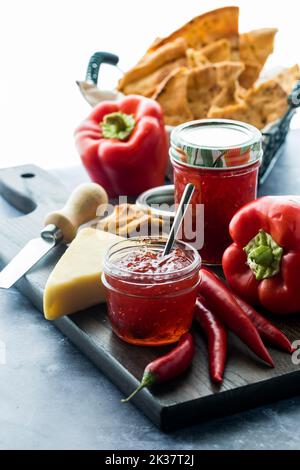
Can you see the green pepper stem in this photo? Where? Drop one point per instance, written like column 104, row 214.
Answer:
column 117, row 125
column 263, row 256
column 148, row 379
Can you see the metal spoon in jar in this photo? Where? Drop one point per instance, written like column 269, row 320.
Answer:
column 179, row 216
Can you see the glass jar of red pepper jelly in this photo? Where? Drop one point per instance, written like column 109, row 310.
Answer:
column 221, row 158
column 150, row 297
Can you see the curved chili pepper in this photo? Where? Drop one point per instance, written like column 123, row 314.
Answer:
column 266, row 329
column 168, row 366
column 216, row 333
column 221, row 299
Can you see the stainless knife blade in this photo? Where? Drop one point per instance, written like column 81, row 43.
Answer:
column 28, row 256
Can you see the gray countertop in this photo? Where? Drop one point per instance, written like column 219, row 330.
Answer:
column 52, row 397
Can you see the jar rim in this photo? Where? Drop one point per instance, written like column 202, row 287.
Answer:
column 253, row 132
column 175, row 293
column 209, row 168
column 108, row 265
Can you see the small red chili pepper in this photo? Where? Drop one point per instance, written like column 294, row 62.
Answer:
column 168, row 366
column 216, row 333
column 222, row 301
column 266, row 329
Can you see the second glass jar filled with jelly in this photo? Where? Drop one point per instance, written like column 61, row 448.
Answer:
column 151, row 297
column 221, row 158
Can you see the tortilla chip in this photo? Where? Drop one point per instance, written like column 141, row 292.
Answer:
column 218, row 51
column 255, row 48
column 207, row 28
column 288, row 78
column 189, row 94
column 250, row 75
column 207, row 83
column 270, row 99
column 147, row 85
column 230, row 95
column 195, row 58
column 228, row 72
column 263, row 105
column 172, row 96
column 237, row 112
column 151, row 63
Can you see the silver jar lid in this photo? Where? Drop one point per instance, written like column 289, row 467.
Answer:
column 216, row 143
column 160, row 200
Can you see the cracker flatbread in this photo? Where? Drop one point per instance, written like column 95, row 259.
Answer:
column 218, row 51
column 147, row 85
column 195, row 58
column 153, row 68
column 189, row 94
column 172, row 96
column 207, row 28
column 209, row 83
column 232, row 94
column 262, row 105
column 250, row 75
column 238, row 112
column 288, row 78
column 255, row 48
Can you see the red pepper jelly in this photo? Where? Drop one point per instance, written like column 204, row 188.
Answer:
column 221, row 158
column 150, row 298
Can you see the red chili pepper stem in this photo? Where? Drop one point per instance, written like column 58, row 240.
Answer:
column 147, row 380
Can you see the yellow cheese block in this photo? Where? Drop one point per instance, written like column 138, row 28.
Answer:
column 75, row 282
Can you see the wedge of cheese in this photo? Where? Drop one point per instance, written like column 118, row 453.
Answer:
column 75, row 282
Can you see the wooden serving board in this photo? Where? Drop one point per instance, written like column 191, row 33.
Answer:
column 186, row 400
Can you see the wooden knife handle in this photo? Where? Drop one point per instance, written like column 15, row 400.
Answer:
column 83, row 205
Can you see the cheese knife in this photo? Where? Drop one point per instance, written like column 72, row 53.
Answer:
column 59, row 227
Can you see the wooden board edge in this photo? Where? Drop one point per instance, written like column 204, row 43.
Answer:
column 111, row 368
column 231, row 402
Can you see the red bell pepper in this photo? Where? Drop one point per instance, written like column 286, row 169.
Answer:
column 123, row 145
column 263, row 263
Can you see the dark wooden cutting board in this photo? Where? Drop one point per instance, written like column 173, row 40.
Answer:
column 186, row 400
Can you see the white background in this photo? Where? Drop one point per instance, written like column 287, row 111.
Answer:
column 46, row 45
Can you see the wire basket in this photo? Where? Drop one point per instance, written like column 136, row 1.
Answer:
column 274, row 135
